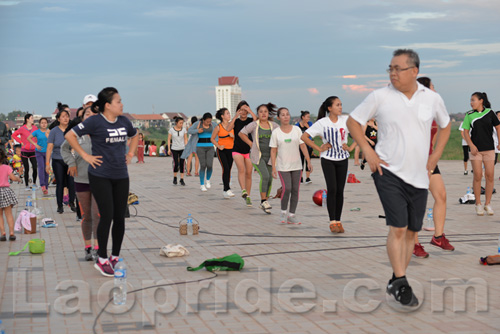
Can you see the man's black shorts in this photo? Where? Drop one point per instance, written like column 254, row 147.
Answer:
column 404, row 205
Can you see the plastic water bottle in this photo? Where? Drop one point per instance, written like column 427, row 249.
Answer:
column 2, row 329
column 429, row 221
column 120, row 292
column 499, row 244
column 28, row 203
column 189, row 224
column 33, row 193
column 323, row 199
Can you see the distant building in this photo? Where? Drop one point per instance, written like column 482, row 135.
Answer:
column 147, row 121
column 228, row 94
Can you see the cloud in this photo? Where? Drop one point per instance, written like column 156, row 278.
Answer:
column 313, row 91
column 401, row 22
column 440, row 63
column 352, row 76
column 357, row 88
column 9, row 3
column 468, row 50
column 173, row 12
column 54, row 9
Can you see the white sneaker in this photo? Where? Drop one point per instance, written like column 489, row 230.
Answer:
column 489, row 210
column 283, row 217
column 230, row 193
column 265, row 207
column 225, row 195
column 208, row 185
column 203, row 188
column 293, row 220
column 479, row 210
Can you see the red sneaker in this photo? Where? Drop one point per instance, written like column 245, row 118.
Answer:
column 104, row 268
column 420, row 252
column 442, row 243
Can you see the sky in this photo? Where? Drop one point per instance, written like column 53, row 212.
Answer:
column 166, row 56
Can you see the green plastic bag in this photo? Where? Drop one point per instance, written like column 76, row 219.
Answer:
column 37, row 246
column 232, row 262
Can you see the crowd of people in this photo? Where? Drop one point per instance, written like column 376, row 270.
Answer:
column 89, row 155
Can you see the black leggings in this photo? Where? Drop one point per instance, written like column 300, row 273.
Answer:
column 303, row 158
column 226, row 161
column 177, row 161
column 63, row 180
column 26, row 157
column 335, row 173
column 465, row 148
column 111, row 196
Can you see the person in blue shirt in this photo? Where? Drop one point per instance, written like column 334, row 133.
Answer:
column 108, row 173
column 41, row 135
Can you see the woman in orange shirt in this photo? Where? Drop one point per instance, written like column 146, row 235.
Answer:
column 225, row 133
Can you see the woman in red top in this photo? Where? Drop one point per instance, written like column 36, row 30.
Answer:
column 438, row 191
column 27, row 149
column 225, row 143
column 140, row 149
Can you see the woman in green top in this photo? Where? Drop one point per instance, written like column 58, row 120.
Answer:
column 478, row 132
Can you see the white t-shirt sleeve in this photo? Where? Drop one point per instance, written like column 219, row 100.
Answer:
column 298, row 132
column 366, row 110
column 273, row 142
column 316, row 129
column 442, row 116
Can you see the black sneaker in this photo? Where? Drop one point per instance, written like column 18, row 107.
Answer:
column 88, row 254
column 182, row 182
column 402, row 292
column 301, row 180
column 175, row 180
column 72, row 206
column 308, row 181
column 60, row 209
column 362, row 166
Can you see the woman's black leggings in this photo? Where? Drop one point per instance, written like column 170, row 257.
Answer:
column 226, row 161
column 335, row 173
column 26, row 157
column 63, row 180
column 303, row 158
column 178, row 162
column 111, row 196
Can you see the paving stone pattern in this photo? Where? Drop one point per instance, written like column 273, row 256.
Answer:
column 297, row 279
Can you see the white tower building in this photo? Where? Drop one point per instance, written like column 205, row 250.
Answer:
column 228, row 94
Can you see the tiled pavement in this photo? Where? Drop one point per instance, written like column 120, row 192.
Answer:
column 324, row 284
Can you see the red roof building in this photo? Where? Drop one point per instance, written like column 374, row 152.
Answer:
column 228, row 81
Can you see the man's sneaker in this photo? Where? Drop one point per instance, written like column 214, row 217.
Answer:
column 293, row 220
column 244, row 193
column 104, row 268
column 175, row 180
column 226, row 195
column 283, row 217
column 479, row 210
column 113, row 261
column 336, row 228
column 489, row 210
column 203, row 188
column 209, row 185
column 182, row 182
column 88, row 254
column 265, row 207
column 442, row 243
column 60, row 209
column 248, row 201
column 420, row 252
column 308, row 181
column 402, row 292
column 466, row 173
column 72, row 206
column 230, row 193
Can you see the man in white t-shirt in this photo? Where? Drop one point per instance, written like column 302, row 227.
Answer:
column 401, row 163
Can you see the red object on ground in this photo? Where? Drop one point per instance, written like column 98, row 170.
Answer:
column 318, row 197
